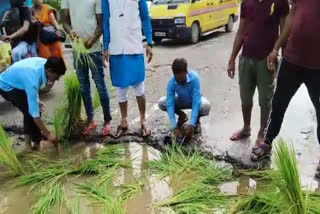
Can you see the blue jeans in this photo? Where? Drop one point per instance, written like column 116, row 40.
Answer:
column 23, row 50
column 99, row 78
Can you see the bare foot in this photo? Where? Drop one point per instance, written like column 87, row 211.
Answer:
column 145, row 131
column 241, row 134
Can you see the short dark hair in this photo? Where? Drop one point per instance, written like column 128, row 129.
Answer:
column 179, row 65
column 57, row 65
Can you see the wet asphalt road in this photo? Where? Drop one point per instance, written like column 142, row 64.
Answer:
column 209, row 57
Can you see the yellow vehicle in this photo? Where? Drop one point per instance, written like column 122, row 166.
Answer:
column 189, row 19
column 5, row 55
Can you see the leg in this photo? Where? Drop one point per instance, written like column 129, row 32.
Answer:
column 247, row 83
column 141, row 100
column 83, row 77
column 99, row 79
column 312, row 83
column 123, row 103
column 183, row 118
column 20, row 51
column 19, row 99
column 266, row 85
column 288, row 82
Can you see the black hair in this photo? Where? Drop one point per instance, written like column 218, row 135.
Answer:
column 179, row 65
column 57, row 65
column 17, row 3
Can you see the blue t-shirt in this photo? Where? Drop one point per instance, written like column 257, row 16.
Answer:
column 28, row 75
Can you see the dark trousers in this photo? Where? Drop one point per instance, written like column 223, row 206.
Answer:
column 19, row 99
column 290, row 78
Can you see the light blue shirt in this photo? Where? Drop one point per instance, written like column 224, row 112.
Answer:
column 28, row 75
column 144, row 16
column 189, row 94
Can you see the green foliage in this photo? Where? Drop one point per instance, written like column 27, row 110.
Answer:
column 8, row 156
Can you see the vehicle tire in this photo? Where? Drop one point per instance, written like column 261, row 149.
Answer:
column 229, row 26
column 157, row 40
column 195, row 33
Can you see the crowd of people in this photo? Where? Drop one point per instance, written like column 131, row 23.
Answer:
column 121, row 23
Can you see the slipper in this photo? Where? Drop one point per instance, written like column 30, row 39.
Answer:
column 239, row 136
column 263, row 151
column 89, row 129
column 120, row 131
column 145, row 132
column 106, row 130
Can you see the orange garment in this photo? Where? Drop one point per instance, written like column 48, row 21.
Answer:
column 48, row 50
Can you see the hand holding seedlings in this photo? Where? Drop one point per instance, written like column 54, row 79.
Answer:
column 89, row 43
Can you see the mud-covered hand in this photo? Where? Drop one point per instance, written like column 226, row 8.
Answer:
column 42, row 106
column 272, row 61
column 177, row 133
column 52, row 137
column 231, row 69
column 105, row 58
column 189, row 132
column 149, row 53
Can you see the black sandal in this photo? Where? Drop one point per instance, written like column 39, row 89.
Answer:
column 120, row 131
column 260, row 152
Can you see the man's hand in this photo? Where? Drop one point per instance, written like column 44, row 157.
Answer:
column 42, row 106
column 189, row 132
column 6, row 38
column 89, row 43
column 272, row 61
column 52, row 137
column 105, row 58
column 177, row 133
column 149, row 53
column 73, row 35
column 231, row 69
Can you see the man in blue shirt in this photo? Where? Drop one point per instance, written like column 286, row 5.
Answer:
column 20, row 84
column 184, row 92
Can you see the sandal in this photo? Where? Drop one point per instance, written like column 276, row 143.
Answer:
column 106, row 130
column 260, row 152
column 240, row 135
column 145, row 132
column 120, row 131
column 89, row 129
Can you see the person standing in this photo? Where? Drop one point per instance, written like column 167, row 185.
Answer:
column 300, row 65
column 123, row 21
column 83, row 19
column 257, row 34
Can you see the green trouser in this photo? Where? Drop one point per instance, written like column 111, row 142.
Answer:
column 255, row 74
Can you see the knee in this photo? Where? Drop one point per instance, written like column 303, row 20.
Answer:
column 162, row 104
column 122, row 94
column 139, row 89
column 205, row 107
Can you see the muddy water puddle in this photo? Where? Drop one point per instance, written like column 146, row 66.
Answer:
column 16, row 200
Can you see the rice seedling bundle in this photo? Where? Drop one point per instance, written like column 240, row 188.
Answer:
column 195, row 198
column 50, row 195
column 8, row 156
column 82, row 55
column 67, row 120
column 284, row 194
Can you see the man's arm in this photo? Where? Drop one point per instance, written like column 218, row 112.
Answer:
column 196, row 102
column 237, row 45
column 282, row 40
column 97, row 33
column 67, row 21
column 171, row 103
column 22, row 31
